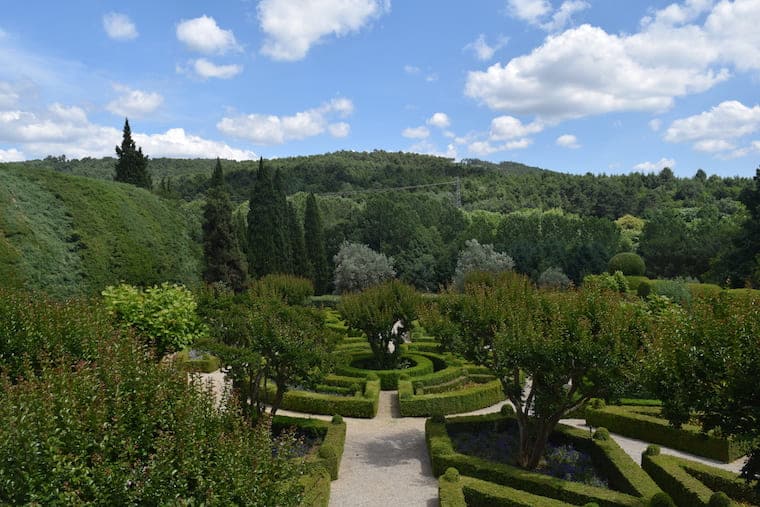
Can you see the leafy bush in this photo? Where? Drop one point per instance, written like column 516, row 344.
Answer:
column 615, row 282
column 164, row 316
column 629, row 263
column 554, row 278
column 477, row 257
column 676, row 290
column 294, row 290
column 122, row 429
column 358, row 267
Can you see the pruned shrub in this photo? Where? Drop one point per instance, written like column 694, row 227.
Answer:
column 601, row 434
column 554, row 278
column 451, row 474
column 629, row 263
column 661, row 500
column 507, row 410
column 719, row 499
column 337, row 419
column 652, row 450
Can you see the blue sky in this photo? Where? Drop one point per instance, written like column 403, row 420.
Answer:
column 574, row 85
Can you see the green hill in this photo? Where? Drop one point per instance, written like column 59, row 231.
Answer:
column 71, row 235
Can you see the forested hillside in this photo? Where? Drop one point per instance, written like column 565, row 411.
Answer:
column 69, row 235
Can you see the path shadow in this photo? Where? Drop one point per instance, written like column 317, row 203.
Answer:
column 404, row 447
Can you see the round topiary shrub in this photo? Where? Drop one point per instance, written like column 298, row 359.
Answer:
column 719, row 499
column 591, row 504
column 596, row 403
column 507, row 410
column 652, row 450
column 601, row 433
column 627, row 262
column 451, row 474
column 372, row 376
column 661, row 500
column 644, row 289
column 337, row 419
column 327, row 452
column 403, row 376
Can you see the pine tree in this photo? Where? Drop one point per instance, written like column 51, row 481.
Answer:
column 284, row 260
column 223, row 260
column 132, row 165
column 301, row 266
column 315, row 246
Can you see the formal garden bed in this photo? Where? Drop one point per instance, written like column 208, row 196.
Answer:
column 645, row 423
column 626, row 482
column 690, row 483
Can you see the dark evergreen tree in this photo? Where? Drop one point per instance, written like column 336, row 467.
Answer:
column 223, row 260
column 315, row 246
column 301, row 266
column 283, row 246
column 741, row 265
column 132, row 165
column 266, row 252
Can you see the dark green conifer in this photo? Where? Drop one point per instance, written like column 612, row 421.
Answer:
column 132, row 165
column 284, row 261
column 223, row 260
column 315, row 246
column 301, row 266
column 262, row 225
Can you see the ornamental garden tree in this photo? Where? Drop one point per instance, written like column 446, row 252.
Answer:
column 376, row 311
column 571, row 346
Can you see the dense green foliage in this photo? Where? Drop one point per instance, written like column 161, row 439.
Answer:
column 627, row 263
column 131, row 165
column 267, row 226
column 163, row 316
column 314, row 239
column 222, row 258
column 358, row 267
column 477, row 257
column 68, row 235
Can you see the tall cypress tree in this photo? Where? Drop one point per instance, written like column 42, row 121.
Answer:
column 262, row 224
column 222, row 257
column 132, row 165
column 284, row 261
column 301, row 265
column 314, row 239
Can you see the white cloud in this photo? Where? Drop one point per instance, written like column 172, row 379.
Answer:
column 482, row 50
column 648, row 167
column 485, row 148
column 8, row 96
column 655, row 124
column 586, row 71
column 119, row 27
column 717, row 130
column 134, row 103
column 411, row 69
column 732, row 27
column 206, row 69
column 293, row 26
column 440, row 120
column 425, row 147
column 529, row 10
column 568, row 141
column 67, row 130
column 271, row 129
column 204, row 36
column 340, row 129
column 416, row 132
column 564, row 15
column 509, row 127
column 12, row 155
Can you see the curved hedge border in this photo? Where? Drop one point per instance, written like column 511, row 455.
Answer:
column 623, row 472
column 463, row 491
column 691, row 483
column 325, row 463
column 626, row 422
column 317, row 403
column 452, row 402
column 388, row 378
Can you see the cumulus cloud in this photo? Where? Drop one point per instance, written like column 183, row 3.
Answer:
column 12, row 155
column 482, row 50
column 134, row 103
column 440, row 120
column 416, row 132
column 67, row 130
column 564, row 15
column 509, row 127
column 292, row 27
column 655, row 124
column 529, row 10
column 648, row 167
column 485, row 148
column 265, row 129
column 586, row 71
column 718, row 130
column 206, row 69
column 8, row 95
column 426, row 147
column 204, row 36
column 568, row 141
column 119, row 27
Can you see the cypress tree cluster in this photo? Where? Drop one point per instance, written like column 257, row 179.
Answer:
column 132, row 165
column 223, row 260
column 276, row 241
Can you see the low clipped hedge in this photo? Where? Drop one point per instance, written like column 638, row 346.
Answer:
column 636, row 488
column 388, row 378
column 631, row 422
column 348, row 406
column 206, row 364
column 452, row 402
column 332, row 433
column 324, row 301
column 316, row 486
column 462, row 491
column 692, row 484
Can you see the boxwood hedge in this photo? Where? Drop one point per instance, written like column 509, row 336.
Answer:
column 452, row 402
column 388, row 378
column 348, row 406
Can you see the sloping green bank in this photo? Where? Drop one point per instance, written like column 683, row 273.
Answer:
column 68, row 235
